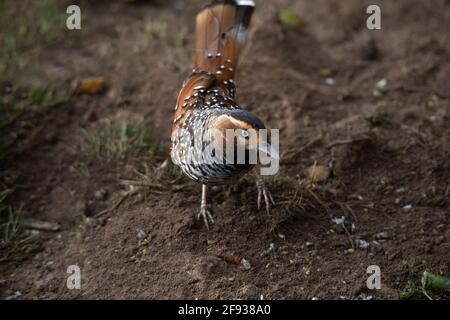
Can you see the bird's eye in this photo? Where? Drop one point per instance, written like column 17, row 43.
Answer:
column 244, row 133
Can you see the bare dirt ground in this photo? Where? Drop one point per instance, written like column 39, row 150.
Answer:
column 383, row 129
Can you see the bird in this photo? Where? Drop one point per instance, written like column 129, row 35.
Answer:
column 206, row 107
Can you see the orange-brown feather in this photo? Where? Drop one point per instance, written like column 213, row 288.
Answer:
column 220, row 34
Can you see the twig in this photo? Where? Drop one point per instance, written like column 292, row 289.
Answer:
column 140, row 183
column 349, row 236
column 117, row 204
column 348, row 141
column 327, row 209
column 345, row 207
column 295, row 151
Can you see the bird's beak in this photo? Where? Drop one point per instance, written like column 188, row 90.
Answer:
column 269, row 150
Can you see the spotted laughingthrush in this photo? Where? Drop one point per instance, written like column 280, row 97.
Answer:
column 206, row 109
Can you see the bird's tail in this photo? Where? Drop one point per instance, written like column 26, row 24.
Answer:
column 221, row 29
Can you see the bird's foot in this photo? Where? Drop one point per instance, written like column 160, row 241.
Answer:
column 205, row 214
column 263, row 191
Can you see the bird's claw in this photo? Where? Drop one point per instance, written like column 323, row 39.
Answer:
column 263, row 191
column 205, row 214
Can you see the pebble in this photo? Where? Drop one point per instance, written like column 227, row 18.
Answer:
column 407, row 207
column 382, row 84
column 90, row 221
column 380, row 88
column 382, row 235
column 400, row 190
column 140, row 234
column 330, row 81
column 266, row 252
column 101, row 194
column 245, row 265
column 35, row 233
column 339, row 221
column 362, row 244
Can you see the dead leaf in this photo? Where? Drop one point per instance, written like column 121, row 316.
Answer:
column 93, row 85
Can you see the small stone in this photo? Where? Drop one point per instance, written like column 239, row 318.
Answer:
column 382, row 235
column 400, row 190
column 362, row 244
column 330, row 81
column 90, row 222
column 271, row 249
column 407, row 207
column 245, row 265
column 382, row 84
column 101, row 195
column 339, row 221
column 35, row 233
column 140, row 234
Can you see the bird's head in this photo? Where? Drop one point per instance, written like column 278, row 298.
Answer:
column 244, row 130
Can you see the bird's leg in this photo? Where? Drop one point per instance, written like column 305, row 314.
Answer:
column 204, row 212
column 263, row 191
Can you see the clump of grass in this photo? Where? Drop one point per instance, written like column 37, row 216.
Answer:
column 48, row 96
column 13, row 235
column 429, row 286
column 24, row 25
column 26, row 98
column 411, row 291
column 298, row 197
column 166, row 173
column 115, row 140
column 3, row 195
column 159, row 30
